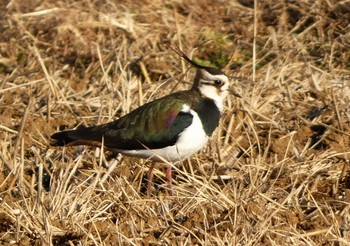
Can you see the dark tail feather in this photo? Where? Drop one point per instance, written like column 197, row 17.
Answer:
column 61, row 138
column 80, row 136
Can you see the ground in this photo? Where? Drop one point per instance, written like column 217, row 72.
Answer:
column 275, row 172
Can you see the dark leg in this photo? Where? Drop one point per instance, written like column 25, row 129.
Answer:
column 169, row 179
column 150, row 179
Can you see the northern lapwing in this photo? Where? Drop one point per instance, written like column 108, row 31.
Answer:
column 170, row 128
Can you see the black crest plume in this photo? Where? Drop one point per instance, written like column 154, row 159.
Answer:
column 211, row 70
column 178, row 51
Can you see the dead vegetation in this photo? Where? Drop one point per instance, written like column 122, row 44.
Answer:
column 276, row 171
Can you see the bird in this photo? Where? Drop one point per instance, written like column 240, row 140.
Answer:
column 170, row 128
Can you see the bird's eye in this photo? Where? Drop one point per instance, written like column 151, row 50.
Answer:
column 217, row 82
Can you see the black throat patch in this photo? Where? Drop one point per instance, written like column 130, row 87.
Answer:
column 209, row 114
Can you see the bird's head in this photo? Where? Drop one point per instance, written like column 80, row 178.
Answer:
column 211, row 82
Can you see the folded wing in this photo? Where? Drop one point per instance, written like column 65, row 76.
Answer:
column 154, row 125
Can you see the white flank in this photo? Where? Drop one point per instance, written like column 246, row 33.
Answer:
column 191, row 140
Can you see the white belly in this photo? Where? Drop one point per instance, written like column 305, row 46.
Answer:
column 191, row 140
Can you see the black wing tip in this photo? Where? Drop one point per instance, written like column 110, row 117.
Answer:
column 60, row 139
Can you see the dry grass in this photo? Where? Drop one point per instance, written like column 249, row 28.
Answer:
column 275, row 172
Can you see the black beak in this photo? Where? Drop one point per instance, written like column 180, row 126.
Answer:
column 234, row 92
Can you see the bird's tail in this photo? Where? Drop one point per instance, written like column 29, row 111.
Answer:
column 80, row 136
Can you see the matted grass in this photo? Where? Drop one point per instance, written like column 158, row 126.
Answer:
column 275, row 172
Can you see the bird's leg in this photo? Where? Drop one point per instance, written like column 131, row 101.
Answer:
column 150, row 178
column 169, row 179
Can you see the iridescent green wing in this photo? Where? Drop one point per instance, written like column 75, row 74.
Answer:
column 153, row 125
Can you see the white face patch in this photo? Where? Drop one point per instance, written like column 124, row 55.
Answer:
column 208, row 88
